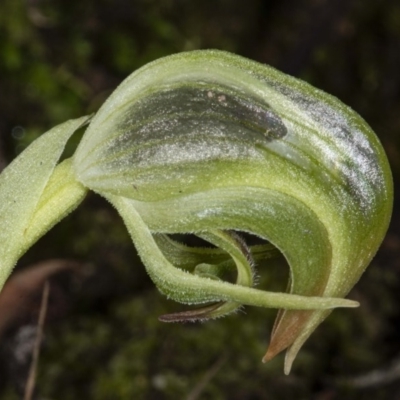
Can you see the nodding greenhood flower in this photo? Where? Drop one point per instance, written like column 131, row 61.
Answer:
column 210, row 143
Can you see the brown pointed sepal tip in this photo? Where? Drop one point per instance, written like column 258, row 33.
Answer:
column 272, row 351
column 287, row 328
column 199, row 314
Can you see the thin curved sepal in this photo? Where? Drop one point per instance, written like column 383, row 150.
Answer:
column 211, row 262
column 241, row 255
column 187, row 258
column 186, row 288
column 208, row 261
column 233, row 209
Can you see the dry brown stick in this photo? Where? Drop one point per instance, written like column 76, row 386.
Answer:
column 30, row 384
column 198, row 389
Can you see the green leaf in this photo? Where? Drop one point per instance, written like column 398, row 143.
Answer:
column 22, row 184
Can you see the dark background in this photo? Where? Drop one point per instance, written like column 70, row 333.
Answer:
column 60, row 59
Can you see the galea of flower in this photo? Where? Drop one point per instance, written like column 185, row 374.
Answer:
column 212, row 144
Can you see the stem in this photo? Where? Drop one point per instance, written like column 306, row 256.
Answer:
column 30, row 385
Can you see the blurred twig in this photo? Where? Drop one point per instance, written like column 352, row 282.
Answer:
column 17, row 295
column 375, row 378
column 198, row 389
column 30, row 385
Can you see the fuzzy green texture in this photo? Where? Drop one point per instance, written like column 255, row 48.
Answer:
column 206, row 142
column 31, row 201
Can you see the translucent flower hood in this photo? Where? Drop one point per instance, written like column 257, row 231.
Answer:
column 212, row 144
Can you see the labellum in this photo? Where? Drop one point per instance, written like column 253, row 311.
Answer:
column 209, row 143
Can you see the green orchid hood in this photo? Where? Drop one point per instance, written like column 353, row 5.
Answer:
column 212, row 144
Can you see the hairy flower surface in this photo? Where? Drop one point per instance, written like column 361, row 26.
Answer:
column 210, row 143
